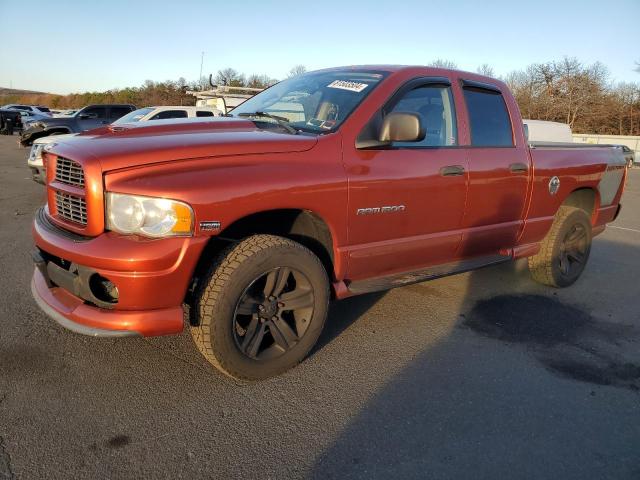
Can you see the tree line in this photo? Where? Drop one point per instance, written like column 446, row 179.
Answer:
column 565, row 90
column 569, row 91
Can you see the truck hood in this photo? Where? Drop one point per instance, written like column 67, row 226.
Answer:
column 136, row 144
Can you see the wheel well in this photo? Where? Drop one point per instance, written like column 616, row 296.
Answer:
column 302, row 226
column 583, row 198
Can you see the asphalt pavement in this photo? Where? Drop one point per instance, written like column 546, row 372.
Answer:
column 484, row 375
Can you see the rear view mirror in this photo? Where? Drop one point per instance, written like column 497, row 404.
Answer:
column 401, row 127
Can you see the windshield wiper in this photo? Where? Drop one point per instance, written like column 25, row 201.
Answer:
column 282, row 121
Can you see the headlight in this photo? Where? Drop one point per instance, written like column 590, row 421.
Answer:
column 36, row 151
column 148, row 216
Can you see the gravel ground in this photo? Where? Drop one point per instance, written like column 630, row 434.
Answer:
column 481, row 375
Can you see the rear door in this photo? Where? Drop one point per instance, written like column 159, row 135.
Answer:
column 406, row 200
column 93, row 117
column 499, row 176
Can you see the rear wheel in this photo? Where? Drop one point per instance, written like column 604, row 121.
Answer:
column 565, row 250
column 261, row 308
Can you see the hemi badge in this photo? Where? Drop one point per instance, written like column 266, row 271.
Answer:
column 209, row 226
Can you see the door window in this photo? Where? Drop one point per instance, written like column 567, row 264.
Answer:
column 95, row 112
column 434, row 106
column 488, row 118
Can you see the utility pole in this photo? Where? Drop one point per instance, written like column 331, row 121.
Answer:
column 200, row 77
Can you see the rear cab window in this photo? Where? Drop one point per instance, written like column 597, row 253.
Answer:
column 489, row 121
column 204, row 113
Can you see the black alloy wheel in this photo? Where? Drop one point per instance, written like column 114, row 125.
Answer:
column 574, row 250
column 260, row 307
column 273, row 313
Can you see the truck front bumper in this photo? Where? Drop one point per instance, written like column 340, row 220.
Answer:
column 150, row 278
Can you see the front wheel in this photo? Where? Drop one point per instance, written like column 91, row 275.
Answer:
column 261, row 307
column 565, row 250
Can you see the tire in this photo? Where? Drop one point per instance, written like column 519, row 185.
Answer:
column 565, row 250
column 261, row 307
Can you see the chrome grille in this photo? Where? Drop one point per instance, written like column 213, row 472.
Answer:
column 69, row 172
column 71, row 208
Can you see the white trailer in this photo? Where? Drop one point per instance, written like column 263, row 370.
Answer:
column 223, row 97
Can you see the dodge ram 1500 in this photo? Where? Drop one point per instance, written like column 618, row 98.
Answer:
column 326, row 185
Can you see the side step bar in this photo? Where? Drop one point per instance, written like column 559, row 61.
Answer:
column 407, row 278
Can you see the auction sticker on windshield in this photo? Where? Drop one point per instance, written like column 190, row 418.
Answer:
column 351, row 86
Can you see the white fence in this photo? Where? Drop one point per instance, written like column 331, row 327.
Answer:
column 633, row 142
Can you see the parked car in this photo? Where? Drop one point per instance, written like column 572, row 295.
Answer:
column 10, row 121
column 28, row 108
column 89, row 117
column 167, row 112
column 249, row 224
column 629, row 155
column 35, row 159
column 28, row 118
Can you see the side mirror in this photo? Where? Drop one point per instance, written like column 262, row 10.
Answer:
column 401, row 127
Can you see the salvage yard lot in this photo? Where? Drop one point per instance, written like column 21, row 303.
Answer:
column 481, row 375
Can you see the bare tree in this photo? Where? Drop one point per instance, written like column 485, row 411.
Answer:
column 260, row 81
column 563, row 91
column 486, row 69
column 442, row 63
column 297, row 70
column 230, row 77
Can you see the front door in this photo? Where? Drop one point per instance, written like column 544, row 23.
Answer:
column 407, row 200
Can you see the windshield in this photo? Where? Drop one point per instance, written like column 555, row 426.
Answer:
column 134, row 116
column 313, row 102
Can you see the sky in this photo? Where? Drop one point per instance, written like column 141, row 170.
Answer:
column 74, row 46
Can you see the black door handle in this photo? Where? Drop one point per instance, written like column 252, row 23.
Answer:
column 452, row 171
column 518, row 168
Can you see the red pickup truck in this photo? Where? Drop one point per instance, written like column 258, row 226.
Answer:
column 330, row 184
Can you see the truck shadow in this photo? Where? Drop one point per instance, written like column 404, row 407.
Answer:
column 343, row 314
column 519, row 385
column 566, row 340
